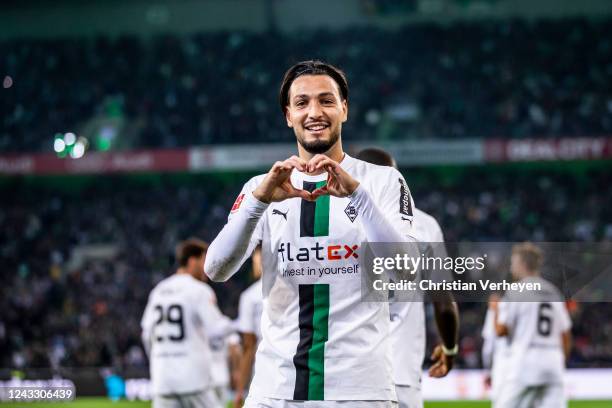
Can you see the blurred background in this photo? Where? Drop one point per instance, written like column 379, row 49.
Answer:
column 127, row 126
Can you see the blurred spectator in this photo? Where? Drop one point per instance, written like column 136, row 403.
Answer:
column 479, row 79
column 57, row 314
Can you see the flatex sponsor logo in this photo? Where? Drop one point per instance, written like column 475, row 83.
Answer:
column 291, row 253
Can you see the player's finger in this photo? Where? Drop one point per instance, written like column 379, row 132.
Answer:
column 333, row 168
column 293, row 192
column 434, row 369
column 437, row 353
column 437, row 370
column 276, row 166
column 296, row 163
column 306, row 195
column 300, row 163
column 314, row 162
column 325, row 163
column 280, row 167
column 320, row 191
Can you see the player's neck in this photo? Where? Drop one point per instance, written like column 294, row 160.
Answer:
column 182, row 271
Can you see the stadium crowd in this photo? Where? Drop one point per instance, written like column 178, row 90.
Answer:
column 62, row 307
column 481, row 79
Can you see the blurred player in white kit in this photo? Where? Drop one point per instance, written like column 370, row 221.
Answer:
column 225, row 361
column 249, row 326
column 408, row 316
column 494, row 351
column 180, row 318
column 537, row 326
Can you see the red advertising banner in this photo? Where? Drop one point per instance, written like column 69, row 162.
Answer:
column 261, row 156
column 97, row 163
column 579, row 148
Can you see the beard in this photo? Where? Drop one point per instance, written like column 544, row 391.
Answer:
column 319, row 146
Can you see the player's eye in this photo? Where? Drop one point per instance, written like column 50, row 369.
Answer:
column 300, row 103
column 328, row 102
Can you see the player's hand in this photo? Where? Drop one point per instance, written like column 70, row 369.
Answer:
column 339, row 182
column 442, row 363
column 487, row 381
column 276, row 186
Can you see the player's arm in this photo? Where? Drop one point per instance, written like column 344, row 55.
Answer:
column 447, row 322
column 501, row 312
column 146, row 325
column 446, row 312
column 566, row 340
column 215, row 323
column 235, row 242
column 249, row 346
column 238, row 237
column 235, row 356
column 566, row 326
column 488, row 344
column 246, row 327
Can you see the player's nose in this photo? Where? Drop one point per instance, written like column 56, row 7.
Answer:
column 314, row 110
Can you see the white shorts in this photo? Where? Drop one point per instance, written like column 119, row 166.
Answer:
column 223, row 394
column 261, row 402
column 202, row 399
column 409, row 397
column 513, row 395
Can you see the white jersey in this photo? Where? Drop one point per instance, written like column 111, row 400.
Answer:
column 319, row 340
column 249, row 310
column 219, row 364
column 535, row 334
column 180, row 317
column 495, row 353
column 408, row 318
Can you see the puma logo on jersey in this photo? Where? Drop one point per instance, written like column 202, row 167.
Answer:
column 279, row 212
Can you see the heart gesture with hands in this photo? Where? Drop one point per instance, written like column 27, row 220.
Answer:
column 339, row 182
column 276, row 186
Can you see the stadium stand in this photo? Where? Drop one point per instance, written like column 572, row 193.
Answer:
column 61, row 312
column 479, row 79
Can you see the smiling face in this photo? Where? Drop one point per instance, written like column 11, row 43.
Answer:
column 316, row 112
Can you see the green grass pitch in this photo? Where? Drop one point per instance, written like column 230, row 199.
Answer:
column 105, row 403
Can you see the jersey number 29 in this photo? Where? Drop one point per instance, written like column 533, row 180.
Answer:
column 172, row 315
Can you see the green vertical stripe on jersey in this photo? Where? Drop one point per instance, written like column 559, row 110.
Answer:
column 316, row 355
column 321, row 216
column 300, row 359
column 314, row 216
column 309, row 359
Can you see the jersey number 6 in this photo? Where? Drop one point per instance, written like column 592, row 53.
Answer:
column 544, row 320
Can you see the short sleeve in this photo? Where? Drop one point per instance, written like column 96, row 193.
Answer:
column 215, row 323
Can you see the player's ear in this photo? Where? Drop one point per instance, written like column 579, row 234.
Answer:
column 344, row 110
column 288, row 117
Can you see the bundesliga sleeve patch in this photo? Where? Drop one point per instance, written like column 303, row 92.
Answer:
column 404, row 200
column 237, row 203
